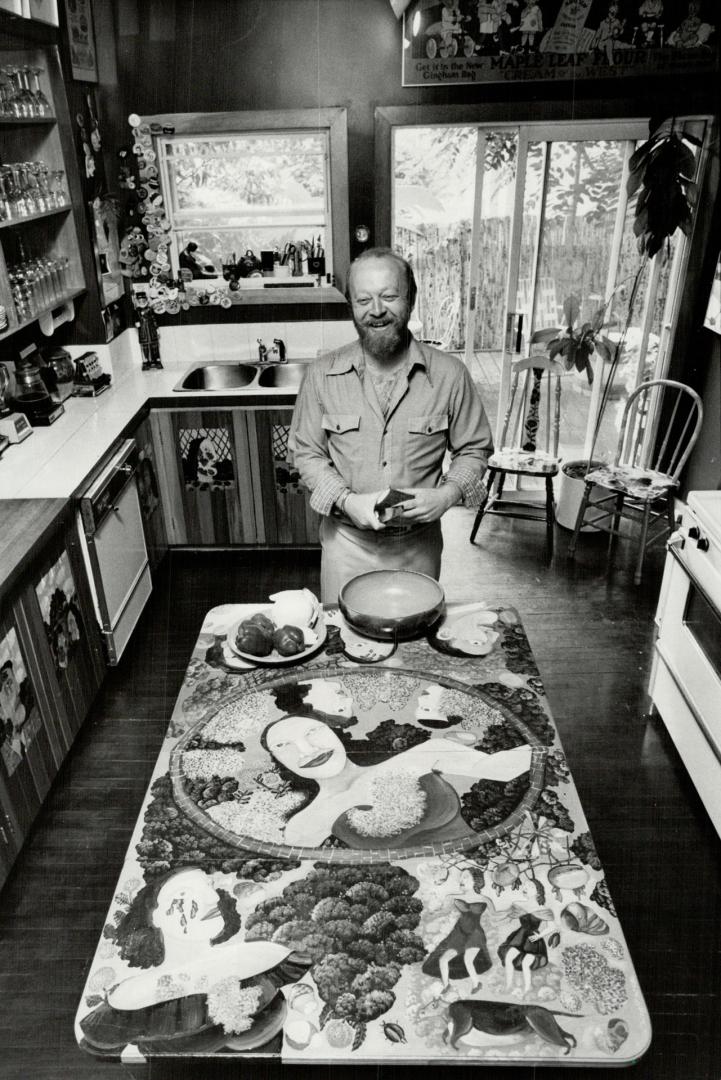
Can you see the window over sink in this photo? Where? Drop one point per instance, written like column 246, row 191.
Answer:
column 251, row 207
column 239, row 196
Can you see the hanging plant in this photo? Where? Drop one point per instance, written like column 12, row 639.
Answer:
column 661, row 170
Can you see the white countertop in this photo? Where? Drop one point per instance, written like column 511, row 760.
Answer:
column 54, row 460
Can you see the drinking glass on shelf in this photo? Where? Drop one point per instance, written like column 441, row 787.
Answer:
column 66, row 275
column 57, row 188
column 42, row 105
column 16, row 195
column 11, row 102
column 6, row 94
column 35, row 197
column 21, row 99
column 5, row 208
column 22, row 294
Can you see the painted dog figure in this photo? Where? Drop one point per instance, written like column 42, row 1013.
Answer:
column 503, row 1018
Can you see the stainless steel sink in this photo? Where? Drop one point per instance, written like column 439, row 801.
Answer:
column 217, row 377
column 288, row 375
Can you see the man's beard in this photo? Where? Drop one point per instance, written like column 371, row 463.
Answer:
column 383, row 342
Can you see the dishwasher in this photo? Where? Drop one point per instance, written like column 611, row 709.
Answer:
column 113, row 543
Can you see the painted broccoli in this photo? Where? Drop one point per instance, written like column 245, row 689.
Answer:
column 170, row 839
column 356, row 923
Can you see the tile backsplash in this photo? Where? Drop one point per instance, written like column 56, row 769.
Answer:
column 239, row 341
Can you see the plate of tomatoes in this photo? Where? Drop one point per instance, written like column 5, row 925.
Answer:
column 258, row 639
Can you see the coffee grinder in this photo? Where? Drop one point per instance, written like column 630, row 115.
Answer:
column 14, row 426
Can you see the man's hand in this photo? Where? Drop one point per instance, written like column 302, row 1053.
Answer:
column 429, row 504
column 361, row 509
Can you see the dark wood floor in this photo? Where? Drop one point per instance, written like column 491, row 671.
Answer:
column 592, row 639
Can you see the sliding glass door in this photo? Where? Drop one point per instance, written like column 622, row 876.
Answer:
column 505, row 225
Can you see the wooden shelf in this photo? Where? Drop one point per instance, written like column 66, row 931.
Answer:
column 53, row 307
column 56, row 231
column 11, row 224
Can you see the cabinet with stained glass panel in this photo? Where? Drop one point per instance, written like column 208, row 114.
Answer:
column 225, row 478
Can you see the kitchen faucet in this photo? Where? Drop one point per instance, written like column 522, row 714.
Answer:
column 276, row 354
column 278, row 349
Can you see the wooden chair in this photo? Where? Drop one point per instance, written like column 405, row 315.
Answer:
column 641, row 482
column 532, row 416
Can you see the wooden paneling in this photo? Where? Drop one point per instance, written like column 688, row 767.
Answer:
column 286, row 514
column 206, row 500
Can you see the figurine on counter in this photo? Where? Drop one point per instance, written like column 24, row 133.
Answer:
column 148, row 335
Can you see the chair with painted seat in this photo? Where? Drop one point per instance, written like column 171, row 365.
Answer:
column 529, row 444
column 640, row 484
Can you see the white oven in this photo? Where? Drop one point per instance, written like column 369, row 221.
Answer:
column 685, row 683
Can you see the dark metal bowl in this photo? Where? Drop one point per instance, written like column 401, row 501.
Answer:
column 391, row 605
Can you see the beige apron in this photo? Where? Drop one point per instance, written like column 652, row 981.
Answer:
column 347, row 551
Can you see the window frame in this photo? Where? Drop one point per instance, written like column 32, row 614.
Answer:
column 332, row 122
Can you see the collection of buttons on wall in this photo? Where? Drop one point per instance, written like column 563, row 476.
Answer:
column 156, row 226
column 151, row 243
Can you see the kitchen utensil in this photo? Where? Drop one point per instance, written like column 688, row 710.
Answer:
column 27, row 374
column 59, row 372
column 274, row 659
column 60, row 361
column 391, row 605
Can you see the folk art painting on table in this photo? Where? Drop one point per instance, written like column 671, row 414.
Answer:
column 377, row 855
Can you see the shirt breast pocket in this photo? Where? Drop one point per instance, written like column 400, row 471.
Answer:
column 340, row 423
column 427, row 438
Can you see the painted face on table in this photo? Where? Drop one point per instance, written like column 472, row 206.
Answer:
column 430, row 704
column 307, row 747
column 188, row 909
column 471, row 634
column 328, row 696
column 379, row 305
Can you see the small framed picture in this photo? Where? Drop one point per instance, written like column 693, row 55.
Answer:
column 713, row 310
column 81, row 36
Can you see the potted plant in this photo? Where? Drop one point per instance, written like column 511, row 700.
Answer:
column 575, row 343
column 661, row 173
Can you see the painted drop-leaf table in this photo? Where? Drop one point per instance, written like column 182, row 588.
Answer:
column 372, row 856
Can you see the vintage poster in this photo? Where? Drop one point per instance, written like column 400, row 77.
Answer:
column 81, row 36
column 467, row 41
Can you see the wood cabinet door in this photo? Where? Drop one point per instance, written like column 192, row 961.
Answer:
column 58, row 617
column 151, row 507
column 31, row 748
column 287, row 516
column 204, row 469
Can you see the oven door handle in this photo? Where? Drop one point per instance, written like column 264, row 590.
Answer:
column 674, row 552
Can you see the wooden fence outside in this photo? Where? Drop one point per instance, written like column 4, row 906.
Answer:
column 574, row 260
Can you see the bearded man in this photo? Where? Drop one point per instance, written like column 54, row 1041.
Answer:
column 378, row 416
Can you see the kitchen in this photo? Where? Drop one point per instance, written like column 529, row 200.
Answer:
column 651, row 828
